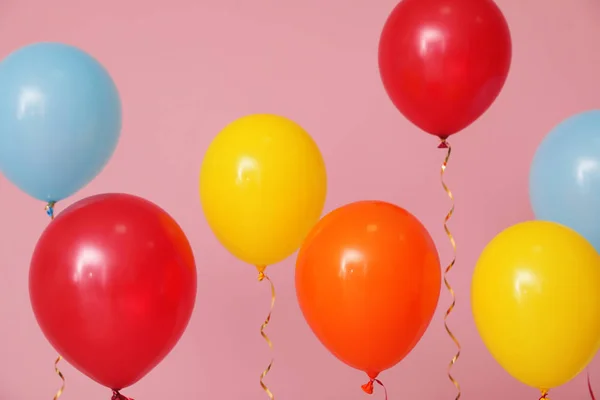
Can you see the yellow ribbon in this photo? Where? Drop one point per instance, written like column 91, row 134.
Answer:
column 445, row 145
column 50, row 211
column 262, row 276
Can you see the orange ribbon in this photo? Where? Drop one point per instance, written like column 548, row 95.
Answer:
column 261, row 277
column 445, row 145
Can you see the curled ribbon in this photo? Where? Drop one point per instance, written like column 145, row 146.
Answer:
column 60, row 375
column 368, row 387
column 50, row 212
column 445, row 145
column 118, row 396
column 589, row 385
column 261, row 277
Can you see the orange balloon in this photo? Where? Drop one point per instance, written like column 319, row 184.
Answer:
column 368, row 280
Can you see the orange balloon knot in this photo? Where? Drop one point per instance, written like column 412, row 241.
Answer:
column 50, row 209
column 261, row 272
column 544, row 395
column 368, row 387
column 443, row 144
column 118, row 396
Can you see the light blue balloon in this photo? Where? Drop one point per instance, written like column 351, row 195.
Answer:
column 564, row 180
column 60, row 119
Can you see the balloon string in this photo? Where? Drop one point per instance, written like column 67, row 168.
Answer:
column 589, row 384
column 368, row 387
column 118, row 396
column 544, row 395
column 50, row 212
column 60, row 375
column 262, row 276
column 445, row 145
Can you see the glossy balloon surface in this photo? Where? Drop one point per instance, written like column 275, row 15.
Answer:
column 368, row 280
column 60, row 119
column 536, row 302
column 113, row 285
column 444, row 62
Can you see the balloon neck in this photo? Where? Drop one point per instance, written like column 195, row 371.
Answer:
column 544, row 395
column 261, row 272
column 443, row 144
column 118, row 396
column 50, row 209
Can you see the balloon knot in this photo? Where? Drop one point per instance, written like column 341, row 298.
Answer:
column 544, row 395
column 368, row 387
column 50, row 209
column 118, row 396
column 443, row 144
column 261, row 272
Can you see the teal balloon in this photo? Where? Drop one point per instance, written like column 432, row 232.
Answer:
column 564, row 179
column 60, row 119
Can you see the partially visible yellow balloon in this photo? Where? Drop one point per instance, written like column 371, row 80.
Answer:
column 536, row 301
column 262, row 187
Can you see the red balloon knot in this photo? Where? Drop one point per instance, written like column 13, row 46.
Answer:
column 443, row 144
column 118, row 396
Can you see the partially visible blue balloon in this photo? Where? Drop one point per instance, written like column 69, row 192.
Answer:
column 60, row 119
column 564, row 180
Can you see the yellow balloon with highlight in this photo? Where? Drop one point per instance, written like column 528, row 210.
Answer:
column 262, row 186
column 536, row 301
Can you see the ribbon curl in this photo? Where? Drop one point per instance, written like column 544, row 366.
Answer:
column 368, row 387
column 50, row 212
column 445, row 145
column 62, row 378
column 261, row 277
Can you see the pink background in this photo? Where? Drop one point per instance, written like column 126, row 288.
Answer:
column 185, row 69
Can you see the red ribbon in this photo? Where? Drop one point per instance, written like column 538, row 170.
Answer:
column 118, row 396
column 590, row 386
column 368, row 387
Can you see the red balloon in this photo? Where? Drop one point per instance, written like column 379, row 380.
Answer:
column 113, row 285
column 444, row 62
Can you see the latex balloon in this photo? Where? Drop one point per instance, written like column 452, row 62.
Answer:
column 444, row 62
column 564, row 179
column 368, row 279
column 60, row 119
column 262, row 187
column 113, row 285
column 536, row 302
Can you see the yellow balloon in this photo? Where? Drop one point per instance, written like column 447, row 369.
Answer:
column 536, row 301
column 262, row 187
